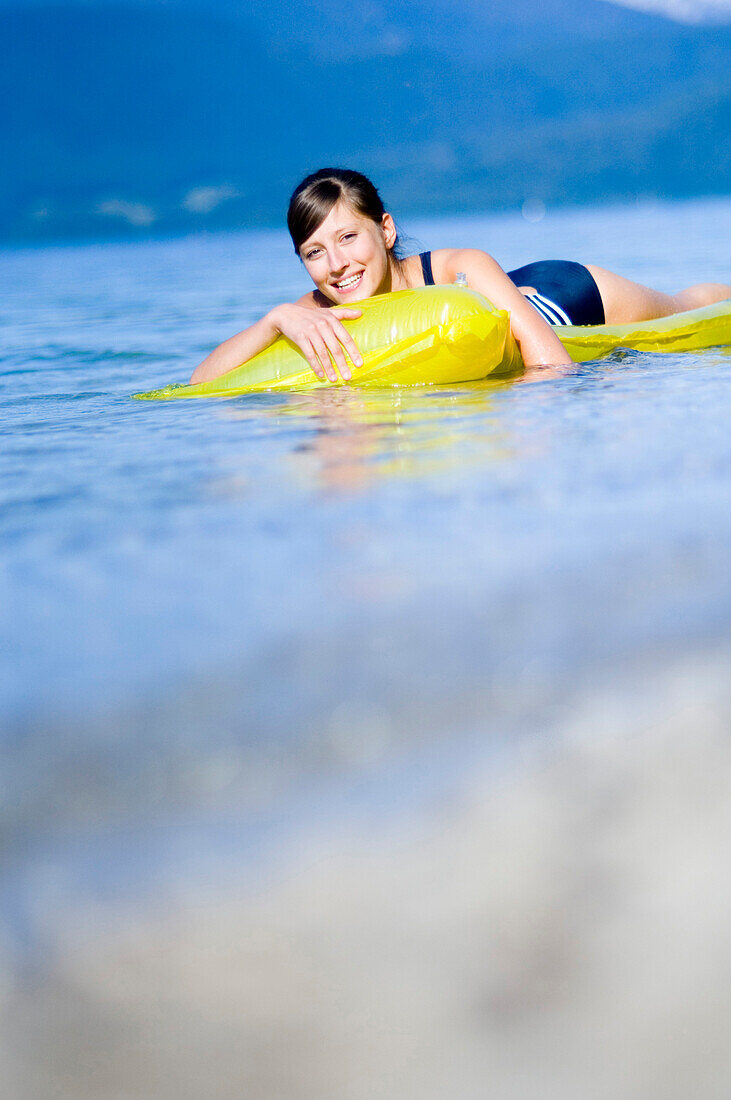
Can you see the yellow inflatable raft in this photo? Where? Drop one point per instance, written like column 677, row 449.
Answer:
column 447, row 334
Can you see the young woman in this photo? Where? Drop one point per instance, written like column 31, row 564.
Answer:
column 348, row 244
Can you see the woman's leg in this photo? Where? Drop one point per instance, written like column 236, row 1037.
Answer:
column 625, row 301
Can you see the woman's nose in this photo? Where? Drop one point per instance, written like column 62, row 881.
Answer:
column 337, row 261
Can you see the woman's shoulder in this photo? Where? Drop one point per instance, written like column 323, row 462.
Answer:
column 442, row 265
column 447, row 263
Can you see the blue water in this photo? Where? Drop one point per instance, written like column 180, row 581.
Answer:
column 213, row 612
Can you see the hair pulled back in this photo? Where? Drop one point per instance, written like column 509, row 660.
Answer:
column 319, row 192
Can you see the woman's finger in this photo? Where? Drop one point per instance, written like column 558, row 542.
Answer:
column 330, row 335
column 345, row 311
column 310, row 355
column 315, row 352
column 322, row 353
column 348, row 343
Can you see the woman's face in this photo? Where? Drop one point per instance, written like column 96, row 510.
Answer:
column 347, row 257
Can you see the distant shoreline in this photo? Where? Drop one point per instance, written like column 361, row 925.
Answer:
column 129, row 234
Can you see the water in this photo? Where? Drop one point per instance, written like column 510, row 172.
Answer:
column 228, row 626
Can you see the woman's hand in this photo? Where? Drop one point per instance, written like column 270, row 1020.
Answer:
column 318, row 333
column 320, row 336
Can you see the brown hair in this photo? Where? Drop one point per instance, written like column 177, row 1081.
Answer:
column 315, row 197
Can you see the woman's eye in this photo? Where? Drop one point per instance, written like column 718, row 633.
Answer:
column 348, row 236
column 310, row 255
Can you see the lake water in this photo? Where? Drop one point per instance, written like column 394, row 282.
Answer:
column 235, row 632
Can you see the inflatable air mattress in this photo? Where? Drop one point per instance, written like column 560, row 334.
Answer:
column 447, row 334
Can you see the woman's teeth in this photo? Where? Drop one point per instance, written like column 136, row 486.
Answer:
column 352, row 280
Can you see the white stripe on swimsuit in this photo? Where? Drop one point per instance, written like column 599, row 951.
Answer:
column 549, row 310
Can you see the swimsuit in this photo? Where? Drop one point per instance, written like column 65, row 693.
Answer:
column 566, row 293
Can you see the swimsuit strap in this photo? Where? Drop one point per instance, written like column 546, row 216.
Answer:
column 426, row 270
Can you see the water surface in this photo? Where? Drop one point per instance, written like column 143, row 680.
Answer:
column 223, row 621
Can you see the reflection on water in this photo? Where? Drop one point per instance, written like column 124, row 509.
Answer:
column 356, row 437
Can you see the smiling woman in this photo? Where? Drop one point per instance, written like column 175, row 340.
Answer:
column 339, row 219
column 348, row 243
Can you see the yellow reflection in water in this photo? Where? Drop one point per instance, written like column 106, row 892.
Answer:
column 361, row 436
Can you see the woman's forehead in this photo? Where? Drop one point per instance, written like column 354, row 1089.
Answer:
column 342, row 216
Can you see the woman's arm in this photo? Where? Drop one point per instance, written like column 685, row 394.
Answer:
column 538, row 343
column 317, row 332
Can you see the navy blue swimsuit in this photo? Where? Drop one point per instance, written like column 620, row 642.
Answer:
column 565, row 292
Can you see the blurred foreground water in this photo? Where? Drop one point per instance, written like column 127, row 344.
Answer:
column 358, row 743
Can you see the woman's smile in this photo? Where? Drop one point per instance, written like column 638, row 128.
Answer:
column 349, row 283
